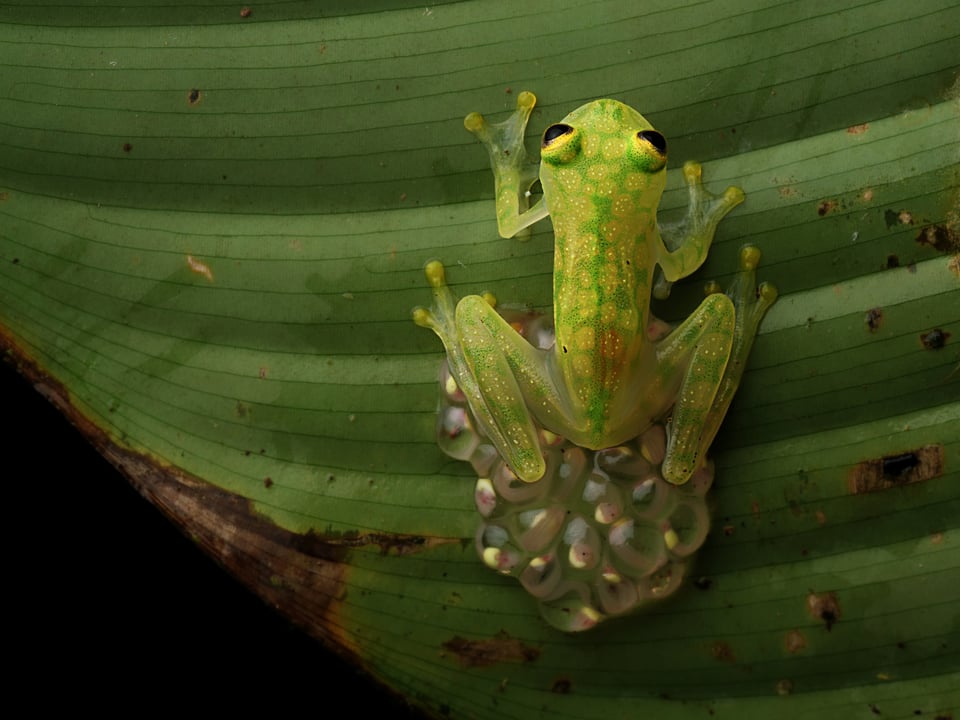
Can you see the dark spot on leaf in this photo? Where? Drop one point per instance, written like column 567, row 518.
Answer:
column 939, row 237
column 16, row 261
column 826, row 207
column 703, row 583
column 246, row 12
column 873, row 319
column 267, row 483
column 127, row 147
column 387, row 542
column 895, row 466
column 194, row 96
column 895, row 470
column 4, row 196
column 825, row 607
column 935, row 339
column 794, row 641
column 561, row 686
column 722, row 651
column 901, row 645
column 892, row 262
column 483, row 653
column 874, row 709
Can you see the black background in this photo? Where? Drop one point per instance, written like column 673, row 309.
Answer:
column 107, row 597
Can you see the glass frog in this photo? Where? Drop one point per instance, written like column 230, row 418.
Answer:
column 609, row 376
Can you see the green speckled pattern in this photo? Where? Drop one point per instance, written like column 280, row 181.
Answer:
column 606, row 379
column 603, row 204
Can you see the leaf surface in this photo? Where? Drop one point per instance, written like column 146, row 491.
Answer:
column 213, row 228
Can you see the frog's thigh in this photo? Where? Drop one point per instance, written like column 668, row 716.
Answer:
column 489, row 347
column 700, row 348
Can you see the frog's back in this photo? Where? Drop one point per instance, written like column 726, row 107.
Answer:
column 602, row 184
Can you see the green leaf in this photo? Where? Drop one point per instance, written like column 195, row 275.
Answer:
column 213, row 227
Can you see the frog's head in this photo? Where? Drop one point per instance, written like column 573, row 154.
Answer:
column 605, row 140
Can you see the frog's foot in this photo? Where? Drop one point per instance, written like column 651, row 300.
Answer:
column 689, row 239
column 751, row 303
column 504, row 140
column 441, row 318
column 472, row 332
column 513, row 175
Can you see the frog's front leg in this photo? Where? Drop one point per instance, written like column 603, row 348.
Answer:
column 685, row 244
column 499, row 372
column 513, row 175
column 711, row 348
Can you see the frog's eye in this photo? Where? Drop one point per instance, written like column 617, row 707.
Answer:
column 554, row 133
column 561, row 144
column 654, row 138
column 648, row 149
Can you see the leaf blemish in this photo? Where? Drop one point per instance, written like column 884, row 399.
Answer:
column 826, row 207
column 561, row 686
column 498, row 649
column 873, row 318
column 723, row 652
column 935, row 339
column 194, row 96
column 199, row 267
column 939, row 237
column 825, row 607
column 794, row 641
column 897, row 469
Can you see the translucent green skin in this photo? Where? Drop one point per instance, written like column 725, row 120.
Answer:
column 607, row 378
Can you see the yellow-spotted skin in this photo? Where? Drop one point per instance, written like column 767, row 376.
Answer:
column 607, row 378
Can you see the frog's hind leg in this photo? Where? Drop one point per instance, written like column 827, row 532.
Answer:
column 751, row 303
column 485, row 354
column 697, row 351
column 721, row 330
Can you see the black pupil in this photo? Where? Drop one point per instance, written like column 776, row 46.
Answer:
column 655, row 139
column 555, row 131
